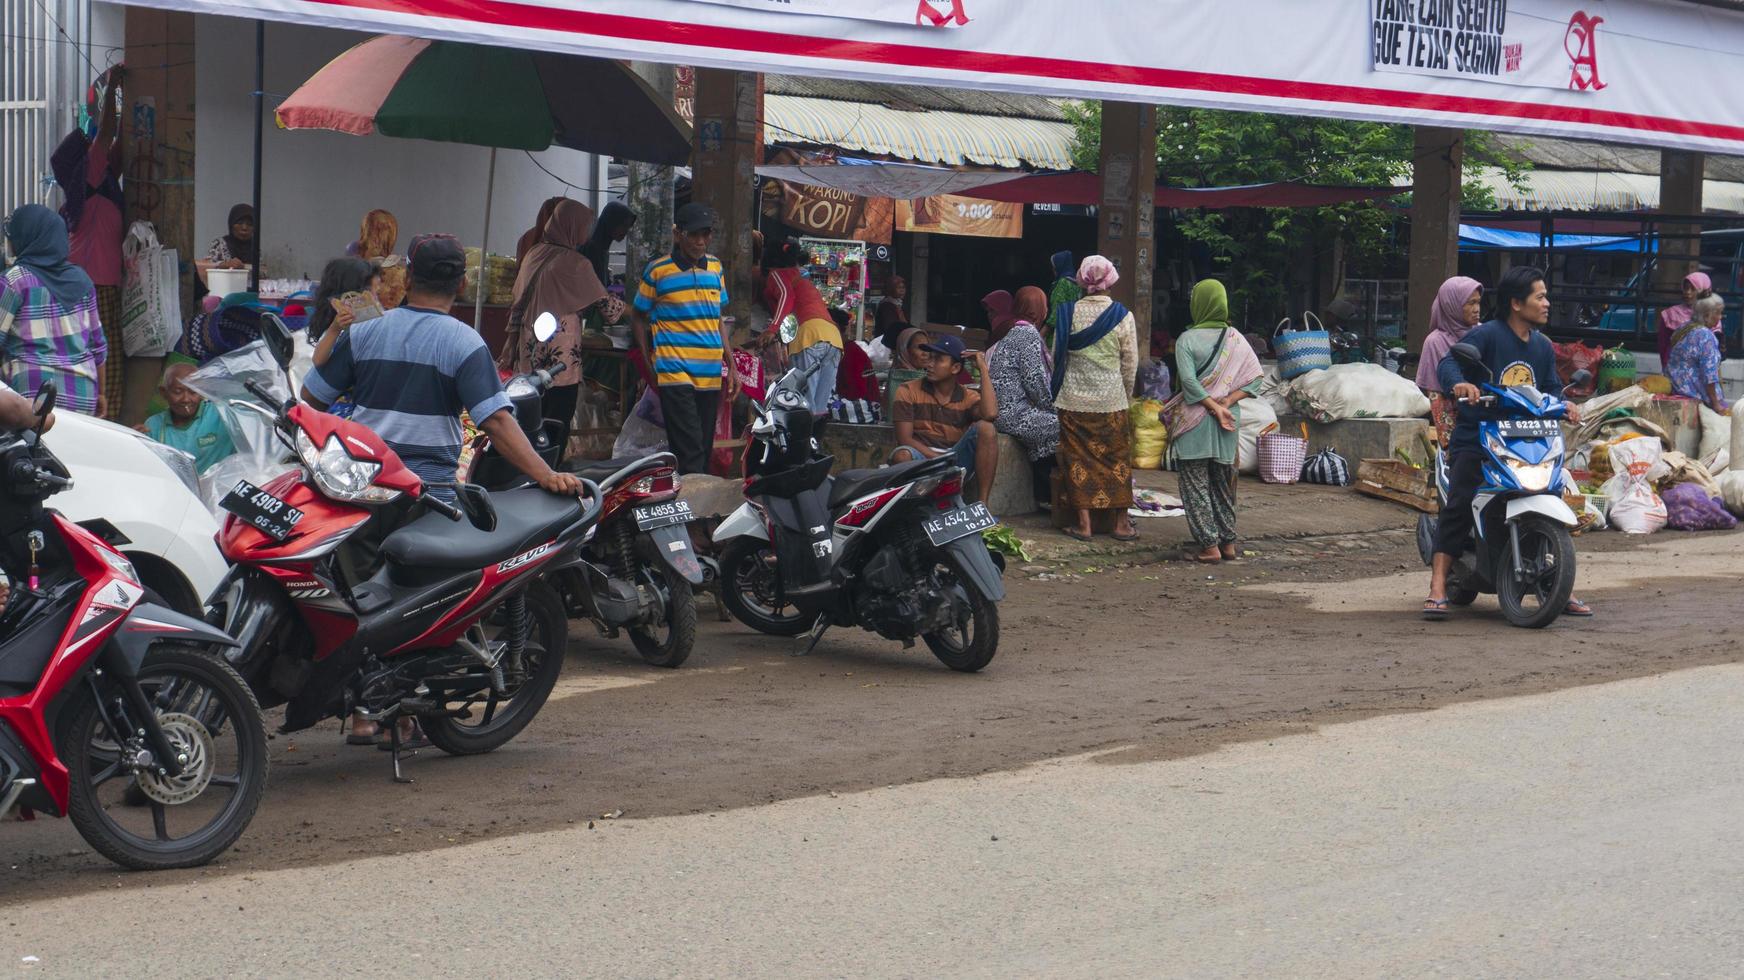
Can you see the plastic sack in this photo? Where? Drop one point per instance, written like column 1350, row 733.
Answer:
column 1150, row 438
column 1356, row 391
column 1256, row 417
column 1715, row 452
column 1154, row 381
column 639, row 437
column 722, row 461
column 1616, row 370
column 1688, row 507
column 1572, row 358
column 151, row 294
column 1635, row 508
column 591, row 438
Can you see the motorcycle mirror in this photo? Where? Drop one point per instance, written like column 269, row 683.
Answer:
column 544, row 327
column 44, row 403
column 1470, row 357
column 278, row 339
column 788, row 329
column 476, row 502
column 1581, row 377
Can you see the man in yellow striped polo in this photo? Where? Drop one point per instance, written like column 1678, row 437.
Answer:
column 679, row 300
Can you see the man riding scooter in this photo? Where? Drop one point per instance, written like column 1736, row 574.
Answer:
column 1516, row 353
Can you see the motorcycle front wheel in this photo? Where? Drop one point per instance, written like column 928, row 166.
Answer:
column 1534, row 600
column 748, row 579
column 212, row 720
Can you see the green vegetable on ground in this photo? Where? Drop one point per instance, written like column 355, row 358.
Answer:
column 1005, row 541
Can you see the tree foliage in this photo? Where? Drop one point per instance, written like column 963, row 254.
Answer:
column 1272, row 259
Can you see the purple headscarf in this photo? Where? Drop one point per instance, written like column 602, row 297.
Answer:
column 1447, row 325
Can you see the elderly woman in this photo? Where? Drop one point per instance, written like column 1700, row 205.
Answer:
column 1217, row 368
column 1017, row 362
column 1095, row 363
column 1458, row 308
column 1694, row 365
column 49, row 329
column 1696, row 286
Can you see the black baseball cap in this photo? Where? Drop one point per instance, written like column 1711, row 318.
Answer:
column 948, row 344
column 694, row 217
column 436, row 258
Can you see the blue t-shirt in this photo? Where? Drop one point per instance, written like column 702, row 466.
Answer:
column 410, row 373
column 205, row 438
column 1512, row 361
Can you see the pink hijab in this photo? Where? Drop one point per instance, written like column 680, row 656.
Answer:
column 1447, row 325
column 1672, row 319
column 1097, row 274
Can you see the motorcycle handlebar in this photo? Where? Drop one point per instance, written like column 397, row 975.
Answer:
column 441, row 506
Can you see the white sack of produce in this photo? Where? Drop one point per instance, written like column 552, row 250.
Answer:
column 1256, row 417
column 1635, row 508
column 1356, row 391
column 1631, row 397
column 1732, row 481
column 1715, row 452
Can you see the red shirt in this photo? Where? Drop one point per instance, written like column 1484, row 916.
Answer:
column 95, row 246
column 788, row 291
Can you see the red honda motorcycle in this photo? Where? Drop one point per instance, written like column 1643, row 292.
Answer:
column 353, row 588
column 114, row 712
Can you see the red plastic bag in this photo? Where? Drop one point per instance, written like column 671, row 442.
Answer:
column 1575, row 356
column 722, row 462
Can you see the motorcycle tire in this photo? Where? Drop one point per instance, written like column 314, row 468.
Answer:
column 229, row 698
column 548, row 637
column 675, row 649
column 977, row 649
column 1461, row 597
column 1548, row 545
column 740, row 559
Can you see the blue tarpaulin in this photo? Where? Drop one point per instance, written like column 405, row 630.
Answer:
column 1479, row 238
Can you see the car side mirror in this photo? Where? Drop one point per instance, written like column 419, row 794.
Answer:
column 278, row 339
column 1471, row 358
column 544, row 327
column 476, row 502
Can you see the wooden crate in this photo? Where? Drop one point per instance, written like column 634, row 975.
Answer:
column 1398, row 481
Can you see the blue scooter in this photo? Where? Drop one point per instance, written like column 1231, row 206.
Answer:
column 1524, row 553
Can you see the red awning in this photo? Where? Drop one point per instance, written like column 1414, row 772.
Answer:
column 1082, row 188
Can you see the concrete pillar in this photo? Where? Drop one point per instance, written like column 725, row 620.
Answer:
column 157, row 130
column 1126, row 231
column 729, row 143
column 1435, row 196
column 649, row 193
column 1680, row 194
column 919, row 262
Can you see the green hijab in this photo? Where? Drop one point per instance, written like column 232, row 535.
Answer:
column 1210, row 306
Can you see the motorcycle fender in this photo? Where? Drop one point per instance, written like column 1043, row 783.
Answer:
column 1544, row 504
column 148, row 624
column 974, row 563
column 745, row 522
column 673, row 546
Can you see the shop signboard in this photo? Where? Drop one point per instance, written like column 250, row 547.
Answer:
column 826, row 213
column 949, row 214
column 1610, row 70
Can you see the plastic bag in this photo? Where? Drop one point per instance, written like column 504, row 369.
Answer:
column 723, row 461
column 639, row 437
column 1575, row 357
column 1715, row 452
column 1688, row 507
column 1635, row 508
column 151, row 294
column 1154, row 381
column 1150, row 438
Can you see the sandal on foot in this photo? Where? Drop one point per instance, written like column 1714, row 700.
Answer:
column 1075, row 534
column 356, row 739
column 416, row 740
column 1578, row 609
column 1129, row 536
column 1435, row 609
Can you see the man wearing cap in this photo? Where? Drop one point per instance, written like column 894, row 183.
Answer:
column 412, row 370
column 679, row 330
column 936, row 416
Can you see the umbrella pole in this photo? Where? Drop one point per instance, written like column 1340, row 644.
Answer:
column 259, row 127
column 490, row 189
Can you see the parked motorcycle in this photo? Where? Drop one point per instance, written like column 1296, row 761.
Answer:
column 637, row 570
column 1524, row 552
column 114, row 712
column 456, row 627
column 891, row 550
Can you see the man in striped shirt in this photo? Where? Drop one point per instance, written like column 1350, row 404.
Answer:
column 678, row 326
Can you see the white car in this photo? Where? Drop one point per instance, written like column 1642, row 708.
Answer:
column 143, row 498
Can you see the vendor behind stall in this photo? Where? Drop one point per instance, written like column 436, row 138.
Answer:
column 817, row 343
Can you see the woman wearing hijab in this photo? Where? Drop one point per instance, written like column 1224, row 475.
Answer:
column 1217, row 368
column 1066, row 288
column 236, row 248
column 531, row 236
column 49, row 328
column 1696, row 286
column 1458, row 308
column 614, row 225
column 1095, row 363
column 557, row 279
column 377, row 237
column 1017, row 364
column 908, row 355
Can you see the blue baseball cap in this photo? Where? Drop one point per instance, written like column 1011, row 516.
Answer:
column 948, row 344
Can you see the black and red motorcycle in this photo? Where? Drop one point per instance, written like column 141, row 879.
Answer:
column 114, row 712
column 354, row 588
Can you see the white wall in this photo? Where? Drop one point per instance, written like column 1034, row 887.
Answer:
column 316, row 186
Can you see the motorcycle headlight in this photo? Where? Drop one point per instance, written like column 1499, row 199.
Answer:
column 339, row 475
column 180, row 463
column 119, row 564
column 1531, row 476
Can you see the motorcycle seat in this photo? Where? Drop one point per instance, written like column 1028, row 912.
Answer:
column 525, row 519
column 598, row 469
column 850, row 485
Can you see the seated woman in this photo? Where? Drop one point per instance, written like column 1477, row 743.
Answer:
column 1017, row 366
column 1694, row 365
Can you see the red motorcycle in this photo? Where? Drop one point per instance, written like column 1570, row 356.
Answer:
column 114, row 712
column 353, row 588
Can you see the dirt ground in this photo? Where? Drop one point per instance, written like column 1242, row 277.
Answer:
column 1151, row 659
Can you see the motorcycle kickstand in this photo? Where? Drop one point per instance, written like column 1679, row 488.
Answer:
column 816, row 634
column 394, row 751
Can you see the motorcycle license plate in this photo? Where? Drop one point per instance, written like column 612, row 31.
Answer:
column 263, row 511
column 959, row 523
column 1528, row 428
column 663, row 515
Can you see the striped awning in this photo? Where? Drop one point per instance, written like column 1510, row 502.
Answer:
column 950, row 139
column 1600, row 190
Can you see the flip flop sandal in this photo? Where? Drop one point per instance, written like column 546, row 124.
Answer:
column 1126, row 537
column 1075, row 534
column 418, row 740
column 356, row 739
column 1435, row 609
column 1578, row 609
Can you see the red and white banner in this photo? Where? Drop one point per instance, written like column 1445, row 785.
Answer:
column 1652, row 72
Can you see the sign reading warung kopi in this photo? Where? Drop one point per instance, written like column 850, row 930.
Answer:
column 1482, row 40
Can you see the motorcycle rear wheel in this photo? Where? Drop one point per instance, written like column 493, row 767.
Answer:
column 498, row 722
column 747, row 584
column 1547, row 553
column 674, row 648
column 205, row 707
column 968, row 651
